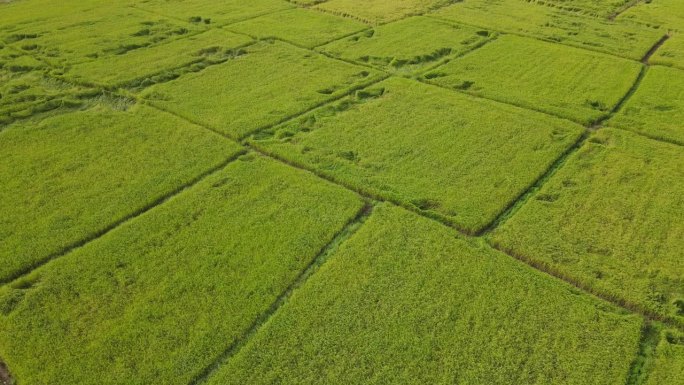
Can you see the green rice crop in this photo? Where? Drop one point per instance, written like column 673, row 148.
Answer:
column 300, row 26
column 621, row 38
column 212, row 12
column 569, row 82
column 95, row 34
column 611, row 218
column 68, row 177
column 657, row 107
column 397, row 46
column 271, row 82
column 669, row 360
column 671, row 53
column 600, row 8
column 456, row 156
column 150, row 65
column 406, row 301
column 158, row 299
column 381, row 11
column 666, row 14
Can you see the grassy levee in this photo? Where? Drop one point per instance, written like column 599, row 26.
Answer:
column 407, row 301
column 572, row 83
column 422, row 146
column 303, row 27
column 397, row 46
column 158, row 299
column 268, row 84
column 381, row 11
column 69, row 177
column 211, row 12
column 159, row 63
column 657, row 107
column 620, row 38
column 609, row 220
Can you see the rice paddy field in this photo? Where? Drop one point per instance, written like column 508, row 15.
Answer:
column 467, row 192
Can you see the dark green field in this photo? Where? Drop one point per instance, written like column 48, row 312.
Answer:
column 468, row 192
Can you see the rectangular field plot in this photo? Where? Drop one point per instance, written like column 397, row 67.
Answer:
column 599, row 8
column 462, row 158
column 69, row 177
column 397, row 46
column 611, row 218
column 572, row 83
column 300, row 26
column 271, row 82
column 621, row 38
column 160, row 298
column 668, row 367
column 657, row 107
column 380, row 11
column 213, row 12
column 671, row 53
column 95, row 34
column 405, row 301
column 149, row 65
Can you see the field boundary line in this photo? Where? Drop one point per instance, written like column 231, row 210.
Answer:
column 517, row 203
column 420, row 74
column 655, row 48
column 326, row 252
column 212, row 24
column 127, row 218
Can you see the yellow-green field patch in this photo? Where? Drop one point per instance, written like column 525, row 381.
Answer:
column 406, row 301
column 657, row 107
column 160, row 298
column 69, row 177
column 267, row 84
column 459, row 157
column 397, row 46
column 300, row 26
column 580, row 85
column 611, row 218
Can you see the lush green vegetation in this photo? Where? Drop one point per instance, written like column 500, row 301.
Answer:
column 580, row 85
column 106, row 32
column 69, row 177
column 341, row 191
column 159, row 298
column 611, row 217
column 397, row 46
column 666, row 14
column 669, row 360
column 426, row 147
column 405, row 301
column 657, row 107
column 601, row 8
column 621, row 38
column 671, row 53
column 225, row 97
column 160, row 63
column 381, row 11
column 300, row 26
column 210, row 12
